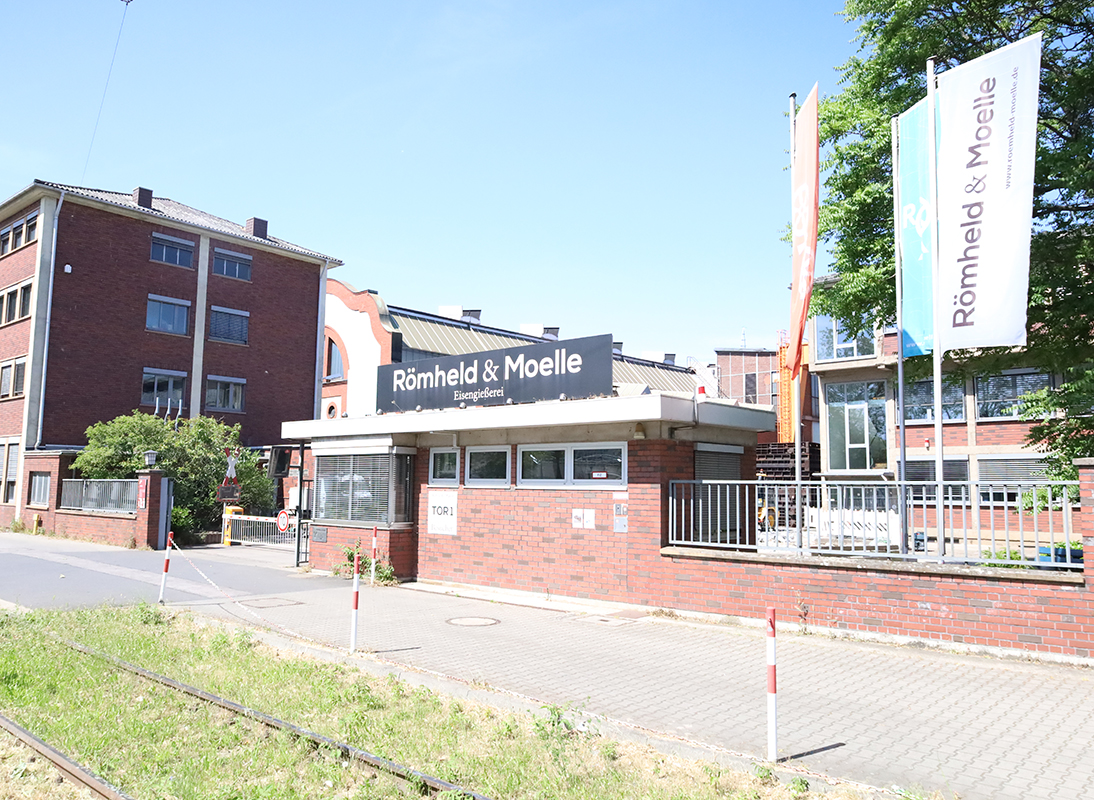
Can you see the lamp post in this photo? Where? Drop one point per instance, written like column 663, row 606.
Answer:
column 150, row 458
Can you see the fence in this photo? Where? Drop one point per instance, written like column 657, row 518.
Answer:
column 260, row 530
column 99, row 495
column 1020, row 525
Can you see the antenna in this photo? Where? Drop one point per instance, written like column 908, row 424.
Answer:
column 102, row 102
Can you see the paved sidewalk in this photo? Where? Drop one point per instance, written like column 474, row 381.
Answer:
column 970, row 726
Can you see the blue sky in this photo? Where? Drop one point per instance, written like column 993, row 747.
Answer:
column 604, row 166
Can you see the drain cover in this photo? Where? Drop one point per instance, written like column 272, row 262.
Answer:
column 473, row 622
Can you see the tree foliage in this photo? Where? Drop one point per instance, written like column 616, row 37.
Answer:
column 192, row 454
column 885, row 78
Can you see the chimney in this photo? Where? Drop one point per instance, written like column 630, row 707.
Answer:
column 551, row 334
column 142, row 197
column 471, row 315
column 670, row 359
column 617, row 348
column 256, row 227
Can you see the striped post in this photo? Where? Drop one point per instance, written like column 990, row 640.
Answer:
column 772, row 694
column 356, row 593
column 166, row 563
column 373, row 555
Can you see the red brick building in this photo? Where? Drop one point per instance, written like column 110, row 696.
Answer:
column 113, row 302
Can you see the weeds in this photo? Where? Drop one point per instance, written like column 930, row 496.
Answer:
column 799, row 786
column 765, row 774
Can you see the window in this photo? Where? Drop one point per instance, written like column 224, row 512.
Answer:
column 1000, row 395
column 228, row 325
column 12, row 378
column 856, row 425
column 373, row 489
column 600, row 464
column 11, row 471
column 750, row 387
column 5, row 241
column 163, row 388
column 832, row 343
column 919, row 400
column 170, row 250
column 31, row 228
column 22, row 231
column 224, row 394
column 444, row 466
column 39, row 488
column 168, row 315
column 487, row 466
column 1003, row 479
column 955, row 471
column 335, row 370
column 15, row 303
column 231, row 265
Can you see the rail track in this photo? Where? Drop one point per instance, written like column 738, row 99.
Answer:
column 411, row 778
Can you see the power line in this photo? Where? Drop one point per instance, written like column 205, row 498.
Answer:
column 107, row 86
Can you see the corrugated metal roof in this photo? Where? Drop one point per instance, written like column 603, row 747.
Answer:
column 171, row 210
column 659, row 377
column 449, row 337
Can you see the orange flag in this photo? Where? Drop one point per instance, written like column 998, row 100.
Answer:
column 805, row 187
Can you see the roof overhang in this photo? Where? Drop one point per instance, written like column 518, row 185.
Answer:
column 552, row 413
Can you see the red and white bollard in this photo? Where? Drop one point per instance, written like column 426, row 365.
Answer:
column 356, row 594
column 373, row 582
column 772, row 693
column 166, row 563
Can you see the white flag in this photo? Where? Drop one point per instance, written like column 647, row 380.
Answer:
column 988, row 111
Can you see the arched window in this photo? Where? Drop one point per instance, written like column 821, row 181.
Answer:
column 334, row 361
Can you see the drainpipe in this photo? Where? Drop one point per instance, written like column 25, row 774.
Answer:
column 49, row 317
column 320, row 343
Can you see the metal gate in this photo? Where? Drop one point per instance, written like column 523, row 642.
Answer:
column 242, row 529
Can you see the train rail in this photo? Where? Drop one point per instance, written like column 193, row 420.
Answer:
column 412, row 778
column 75, row 772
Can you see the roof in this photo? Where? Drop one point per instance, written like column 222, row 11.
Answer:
column 170, row 210
column 592, row 411
column 432, row 333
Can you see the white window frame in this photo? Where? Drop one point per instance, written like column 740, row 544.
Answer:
column 9, row 488
column 164, row 373
column 1004, row 374
column 171, row 301
column 433, row 453
column 235, row 312
column 16, row 289
column 836, row 342
column 489, row 482
column 226, row 379
column 36, row 490
column 237, row 258
column 178, row 244
column 13, row 365
column 569, row 480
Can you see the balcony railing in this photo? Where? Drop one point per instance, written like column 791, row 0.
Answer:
column 99, row 495
column 1022, row 525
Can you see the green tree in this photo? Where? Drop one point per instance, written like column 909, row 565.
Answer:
column 192, row 454
column 886, row 77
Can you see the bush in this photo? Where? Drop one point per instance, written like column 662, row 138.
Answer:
column 189, row 450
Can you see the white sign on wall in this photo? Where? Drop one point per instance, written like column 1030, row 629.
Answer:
column 442, row 512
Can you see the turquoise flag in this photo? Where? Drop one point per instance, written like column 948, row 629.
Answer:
column 915, row 233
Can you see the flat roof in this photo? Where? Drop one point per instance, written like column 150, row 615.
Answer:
column 660, row 406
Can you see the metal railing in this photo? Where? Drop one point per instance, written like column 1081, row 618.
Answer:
column 1023, row 525
column 99, row 495
column 260, row 530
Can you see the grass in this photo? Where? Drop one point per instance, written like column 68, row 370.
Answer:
column 153, row 742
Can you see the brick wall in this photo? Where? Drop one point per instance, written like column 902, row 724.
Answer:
column 136, row 529
column 102, row 303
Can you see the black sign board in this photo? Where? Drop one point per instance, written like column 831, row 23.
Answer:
column 573, row 367
column 228, row 493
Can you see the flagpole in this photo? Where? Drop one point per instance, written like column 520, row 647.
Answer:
column 938, row 343
column 796, row 390
column 902, row 500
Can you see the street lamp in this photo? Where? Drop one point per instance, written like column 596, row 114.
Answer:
column 150, row 458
